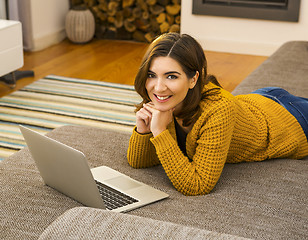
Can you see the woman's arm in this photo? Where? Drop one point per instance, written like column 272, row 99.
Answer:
column 209, row 155
column 141, row 152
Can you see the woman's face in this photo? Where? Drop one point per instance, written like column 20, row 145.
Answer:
column 167, row 84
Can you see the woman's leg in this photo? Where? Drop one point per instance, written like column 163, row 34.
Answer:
column 299, row 109
column 273, row 93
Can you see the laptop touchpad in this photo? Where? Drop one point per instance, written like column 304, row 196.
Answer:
column 122, row 183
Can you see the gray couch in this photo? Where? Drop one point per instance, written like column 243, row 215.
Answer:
column 262, row 200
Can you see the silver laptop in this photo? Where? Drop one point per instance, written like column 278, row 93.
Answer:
column 66, row 170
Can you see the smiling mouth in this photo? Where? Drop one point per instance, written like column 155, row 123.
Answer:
column 162, row 98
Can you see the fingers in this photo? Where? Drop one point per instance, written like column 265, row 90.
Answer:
column 151, row 107
column 144, row 115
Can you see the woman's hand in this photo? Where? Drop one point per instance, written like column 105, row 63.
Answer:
column 158, row 120
column 143, row 121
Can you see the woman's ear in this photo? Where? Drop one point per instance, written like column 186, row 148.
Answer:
column 194, row 80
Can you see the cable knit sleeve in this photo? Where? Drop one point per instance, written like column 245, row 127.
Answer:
column 207, row 147
column 141, row 152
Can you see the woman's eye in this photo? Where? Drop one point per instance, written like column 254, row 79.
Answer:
column 172, row 77
column 151, row 75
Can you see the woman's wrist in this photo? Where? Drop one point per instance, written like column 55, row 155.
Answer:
column 142, row 132
column 157, row 132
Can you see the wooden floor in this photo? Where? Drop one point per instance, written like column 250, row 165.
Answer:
column 118, row 61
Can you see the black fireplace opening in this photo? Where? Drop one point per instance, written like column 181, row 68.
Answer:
column 279, row 10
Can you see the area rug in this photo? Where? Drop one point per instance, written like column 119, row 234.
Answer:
column 55, row 101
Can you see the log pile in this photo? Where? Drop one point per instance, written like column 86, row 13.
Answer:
column 140, row 20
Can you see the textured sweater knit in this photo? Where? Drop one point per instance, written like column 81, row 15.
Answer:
column 231, row 129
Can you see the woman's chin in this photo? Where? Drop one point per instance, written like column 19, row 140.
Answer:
column 162, row 108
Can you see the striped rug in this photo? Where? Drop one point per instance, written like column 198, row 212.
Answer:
column 56, row 101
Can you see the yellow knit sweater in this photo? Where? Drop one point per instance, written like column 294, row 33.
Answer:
column 230, row 129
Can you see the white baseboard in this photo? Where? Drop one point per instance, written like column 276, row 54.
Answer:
column 47, row 40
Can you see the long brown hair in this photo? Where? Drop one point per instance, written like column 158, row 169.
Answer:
column 189, row 54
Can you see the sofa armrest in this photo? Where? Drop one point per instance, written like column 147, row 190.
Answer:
column 91, row 223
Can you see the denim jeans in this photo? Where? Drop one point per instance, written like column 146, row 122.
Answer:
column 297, row 106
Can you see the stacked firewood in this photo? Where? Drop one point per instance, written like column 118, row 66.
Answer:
column 140, row 20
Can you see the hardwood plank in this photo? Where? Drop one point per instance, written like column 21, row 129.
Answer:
column 230, row 69
column 118, row 61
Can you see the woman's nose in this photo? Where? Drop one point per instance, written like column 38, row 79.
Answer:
column 160, row 85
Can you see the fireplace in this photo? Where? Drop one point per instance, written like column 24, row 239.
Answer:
column 280, row 10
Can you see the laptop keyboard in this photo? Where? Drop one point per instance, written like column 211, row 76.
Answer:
column 112, row 198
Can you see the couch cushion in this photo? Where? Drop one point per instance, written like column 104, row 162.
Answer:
column 90, row 223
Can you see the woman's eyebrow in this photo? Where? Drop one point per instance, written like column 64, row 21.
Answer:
column 172, row 72
column 167, row 73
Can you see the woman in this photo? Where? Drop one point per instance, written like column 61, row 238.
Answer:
column 192, row 127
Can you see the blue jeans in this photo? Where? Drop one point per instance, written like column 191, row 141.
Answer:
column 297, row 106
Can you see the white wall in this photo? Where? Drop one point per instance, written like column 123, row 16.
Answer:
column 43, row 21
column 48, row 22
column 239, row 35
column 2, row 9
